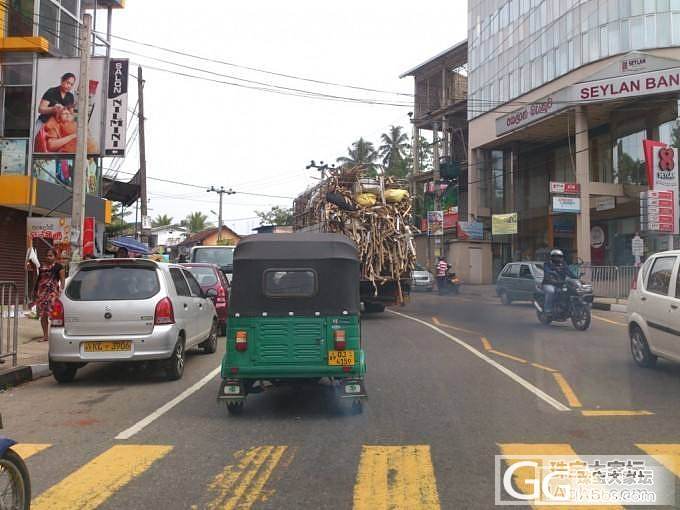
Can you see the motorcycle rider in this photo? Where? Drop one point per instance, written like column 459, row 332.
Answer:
column 555, row 271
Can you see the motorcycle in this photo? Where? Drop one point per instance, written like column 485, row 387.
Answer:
column 451, row 284
column 14, row 477
column 573, row 300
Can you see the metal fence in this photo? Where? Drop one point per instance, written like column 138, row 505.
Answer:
column 9, row 322
column 610, row 281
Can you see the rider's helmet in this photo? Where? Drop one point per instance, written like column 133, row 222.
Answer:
column 556, row 255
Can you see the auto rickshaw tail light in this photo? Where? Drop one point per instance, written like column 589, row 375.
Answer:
column 57, row 314
column 241, row 343
column 340, row 339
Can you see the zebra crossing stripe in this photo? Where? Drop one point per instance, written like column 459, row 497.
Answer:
column 91, row 485
column 26, row 450
column 396, row 478
column 668, row 455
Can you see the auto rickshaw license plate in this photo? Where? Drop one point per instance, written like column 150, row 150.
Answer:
column 124, row 345
column 341, row 358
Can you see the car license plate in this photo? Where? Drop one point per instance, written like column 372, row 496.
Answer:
column 341, row 358
column 124, row 345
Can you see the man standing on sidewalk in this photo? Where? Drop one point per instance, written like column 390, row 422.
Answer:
column 442, row 267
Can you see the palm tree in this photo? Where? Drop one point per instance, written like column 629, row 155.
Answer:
column 161, row 220
column 394, row 147
column 196, row 222
column 362, row 152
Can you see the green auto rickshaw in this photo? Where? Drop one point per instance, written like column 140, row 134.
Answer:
column 294, row 316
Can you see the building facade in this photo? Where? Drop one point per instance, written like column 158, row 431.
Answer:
column 565, row 91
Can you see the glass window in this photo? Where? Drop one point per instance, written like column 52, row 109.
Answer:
column 71, row 6
column 586, row 47
column 602, row 12
column 675, row 5
column 659, row 279
column 629, row 159
column 20, row 18
column 624, row 36
column 650, row 31
column 205, row 275
column 636, row 7
column 594, row 45
column 181, row 285
column 601, row 159
column 222, row 256
column 662, row 5
column 612, row 10
column 624, row 8
column 650, row 6
column 511, row 271
column 113, row 282
column 193, row 284
column 663, row 28
column 525, row 272
column 68, row 35
column 637, row 34
column 613, row 36
column 17, row 73
column 676, row 28
column 16, row 114
column 49, row 22
column 604, row 41
column 289, row 283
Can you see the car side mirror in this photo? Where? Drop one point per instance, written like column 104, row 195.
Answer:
column 211, row 293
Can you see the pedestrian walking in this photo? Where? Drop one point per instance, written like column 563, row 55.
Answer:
column 442, row 267
column 48, row 286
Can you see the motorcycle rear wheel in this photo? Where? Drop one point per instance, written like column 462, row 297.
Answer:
column 17, row 493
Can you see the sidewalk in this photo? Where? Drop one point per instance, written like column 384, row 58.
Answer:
column 31, row 355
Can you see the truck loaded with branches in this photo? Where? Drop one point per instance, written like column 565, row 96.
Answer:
column 376, row 214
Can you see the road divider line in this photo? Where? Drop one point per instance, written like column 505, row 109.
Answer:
column 512, row 375
column 543, row 367
column 485, row 342
column 668, row 455
column 509, row 356
column 90, row 486
column 240, row 486
column 567, row 390
column 139, row 426
column 615, row 412
column 455, row 328
column 396, row 477
column 26, row 450
column 608, row 320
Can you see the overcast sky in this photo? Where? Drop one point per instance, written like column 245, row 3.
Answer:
column 252, row 141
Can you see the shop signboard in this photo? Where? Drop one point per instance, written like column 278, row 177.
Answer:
column 435, row 223
column 472, row 230
column 116, row 108
column 566, row 204
column 502, row 224
column 450, row 220
column 658, row 207
column 532, row 112
column 619, row 87
column 605, row 203
column 658, row 211
column 565, row 188
column 13, row 156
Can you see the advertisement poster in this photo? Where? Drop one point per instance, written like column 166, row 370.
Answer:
column 472, row 230
column 60, row 171
column 659, row 205
column 504, row 224
column 54, row 231
column 116, row 108
column 13, row 157
column 566, row 204
column 435, row 223
column 56, row 106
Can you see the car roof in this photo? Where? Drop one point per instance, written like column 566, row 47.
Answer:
column 667, row 252
column 200, row 264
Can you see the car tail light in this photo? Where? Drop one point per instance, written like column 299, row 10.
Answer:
column 164, row 312
column 241, row 341
column 221, row 295
column 340, row 340
column 57, row 314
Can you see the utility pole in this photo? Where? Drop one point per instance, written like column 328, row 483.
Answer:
column 142, row 155
column 221, row 191
column 79, row 196
column 321, row 167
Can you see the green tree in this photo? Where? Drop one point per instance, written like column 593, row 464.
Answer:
column 196, row 222
column 361, row 152
column 675, row 135
column 276, row 216
column 118, row 225
column 161, row 220
column 424, row 154
column 394, row 150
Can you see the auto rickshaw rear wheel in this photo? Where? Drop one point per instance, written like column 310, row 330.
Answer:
column 235, row 407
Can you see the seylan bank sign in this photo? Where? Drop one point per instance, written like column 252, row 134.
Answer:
column 604, row 89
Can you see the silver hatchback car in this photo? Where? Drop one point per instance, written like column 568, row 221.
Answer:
column 130, row 310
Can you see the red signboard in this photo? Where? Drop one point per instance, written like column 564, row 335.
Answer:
column 568, row 188
column 450, row 220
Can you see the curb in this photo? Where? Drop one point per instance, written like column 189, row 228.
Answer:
column 610, row 307
column 23, row 373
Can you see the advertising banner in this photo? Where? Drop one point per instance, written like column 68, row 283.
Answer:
column 566, row 204
column 658, row 207
column 472, row 230
column 435, row 223
column 55, row 231
column 116, row 108
column 450, row 220
column 13, row 156
column 566, row 188
column 56, row 125
column 503, row 224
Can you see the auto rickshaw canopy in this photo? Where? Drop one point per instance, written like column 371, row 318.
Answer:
column 301, row 274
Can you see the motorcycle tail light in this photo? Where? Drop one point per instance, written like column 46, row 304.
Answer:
column 340, row 339
column 57, row 314
column 241, row 342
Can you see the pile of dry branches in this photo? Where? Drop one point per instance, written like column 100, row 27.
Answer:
column 382, row 232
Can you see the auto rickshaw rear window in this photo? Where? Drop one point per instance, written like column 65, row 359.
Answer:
column 290, row 283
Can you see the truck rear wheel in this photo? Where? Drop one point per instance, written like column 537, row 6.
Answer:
column 374, row 307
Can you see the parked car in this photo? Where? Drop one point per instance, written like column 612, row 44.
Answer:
column 517, row 281
column 130, row 310
column 653, row 312
column 208, row 277
column 222, row 256
column 421, row 279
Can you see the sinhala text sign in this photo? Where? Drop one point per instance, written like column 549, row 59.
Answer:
column 504, row 224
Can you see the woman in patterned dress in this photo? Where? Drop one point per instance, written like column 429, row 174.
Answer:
column 47, row 289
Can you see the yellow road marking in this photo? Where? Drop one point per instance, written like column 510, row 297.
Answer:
column 624, row 412
column 485, row 342
column 396, row 478
column 456, row 328
column 666, row 454
column 240, row 485
column 524, row 476
column 566, row 389
column 543, row 367
column 91, row 485
column 509, row 356
column 608, row 320
column 26, row 450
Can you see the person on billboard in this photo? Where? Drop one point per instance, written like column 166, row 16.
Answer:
column 56, row 99
column 59, row 134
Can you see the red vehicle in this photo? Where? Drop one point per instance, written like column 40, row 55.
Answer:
column 209, row 276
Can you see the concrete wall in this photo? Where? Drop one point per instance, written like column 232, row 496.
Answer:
column 460, row 255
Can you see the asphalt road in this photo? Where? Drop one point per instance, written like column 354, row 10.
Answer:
column 452, row 382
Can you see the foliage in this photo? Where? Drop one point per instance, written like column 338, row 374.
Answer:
column 196, row 222
column 161, row 220
column 394, row 151
column 361, row 152
column 276, row 216
column 118, row 225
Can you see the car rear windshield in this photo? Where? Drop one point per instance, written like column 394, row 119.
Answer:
column 290, row 283
column 108, row 283
column 204, row 275
column 220, row 256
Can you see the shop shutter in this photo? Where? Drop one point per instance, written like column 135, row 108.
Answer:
column 13, row 247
